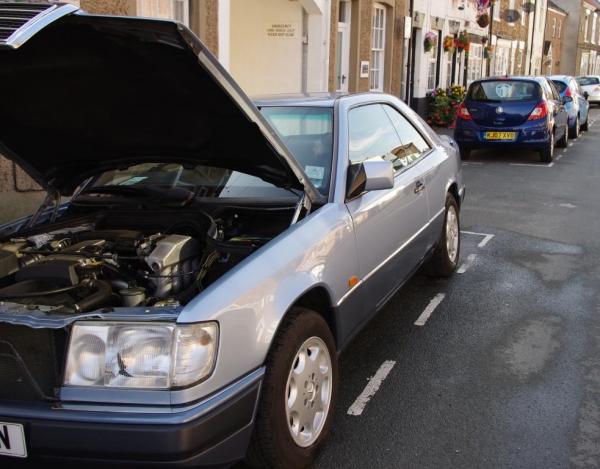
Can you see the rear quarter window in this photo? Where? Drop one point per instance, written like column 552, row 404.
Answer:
column 560, row 86
column 504, row 90
column 585, row 81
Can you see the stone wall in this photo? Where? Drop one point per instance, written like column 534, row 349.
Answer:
column 109, row 7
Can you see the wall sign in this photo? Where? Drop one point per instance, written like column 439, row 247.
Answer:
column 364, row 69
column 437, row 22
column 418, row 19
column 281, row 30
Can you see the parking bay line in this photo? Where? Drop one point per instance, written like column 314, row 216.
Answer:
column 371, row 388
column 487, row 237
column 533, row 165
column 468, row 263
column 429, row 309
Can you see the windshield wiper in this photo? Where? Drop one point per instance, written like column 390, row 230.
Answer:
column 119, row 190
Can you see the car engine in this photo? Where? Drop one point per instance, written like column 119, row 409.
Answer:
column 82, row 269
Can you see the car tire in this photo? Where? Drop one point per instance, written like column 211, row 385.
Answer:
column 586, row 125
column 465, row 153
column 447, row 253
column 564, row 140
column 574, row 131
column 547, row 152
column 274, row 442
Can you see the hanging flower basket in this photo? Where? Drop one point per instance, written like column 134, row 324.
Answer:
column 483, row 20
column 462, row 42
column 449, row 44
column 430, row 41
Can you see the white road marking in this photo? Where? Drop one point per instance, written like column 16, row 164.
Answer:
column 371, row 388
column 468, row 263
column 558, row 157
column 570, row 144
column 567, row 205
column 473, row 163
column 533, row 165
column 429, row 309
column 487, row 237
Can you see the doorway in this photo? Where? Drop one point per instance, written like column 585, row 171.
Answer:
column 342, row 46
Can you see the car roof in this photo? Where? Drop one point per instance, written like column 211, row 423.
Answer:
column 307, row 99
column 560, row 77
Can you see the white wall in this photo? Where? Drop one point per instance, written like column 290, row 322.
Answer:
column 263, row 63
column 447, row 9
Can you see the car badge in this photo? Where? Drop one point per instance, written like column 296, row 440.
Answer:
column 499, row 110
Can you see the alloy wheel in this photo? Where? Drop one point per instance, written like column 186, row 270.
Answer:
column 452, row 233
column 308, row 392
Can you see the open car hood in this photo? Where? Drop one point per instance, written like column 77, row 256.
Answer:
column 81, row 94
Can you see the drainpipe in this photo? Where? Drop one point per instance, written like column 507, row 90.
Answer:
column 304, row 84
column 489, row 62
column 409, row 61
column 532, row 37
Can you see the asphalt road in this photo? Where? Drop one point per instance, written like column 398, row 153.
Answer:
column 505, row 373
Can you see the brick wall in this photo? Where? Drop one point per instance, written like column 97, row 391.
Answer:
column 109, row 7
column 505, row 30
column 553, row 20
column 360, row 46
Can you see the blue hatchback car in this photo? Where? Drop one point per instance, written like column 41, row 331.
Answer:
column 576, row 103
column 511, row 113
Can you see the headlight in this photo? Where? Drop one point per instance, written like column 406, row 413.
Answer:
column 140, row 355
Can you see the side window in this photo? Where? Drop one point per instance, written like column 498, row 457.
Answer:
column 413, row 145
column 555, row 93
column 371, row 134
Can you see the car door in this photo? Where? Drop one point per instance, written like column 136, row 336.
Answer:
column 388, row 224
column 561, row 117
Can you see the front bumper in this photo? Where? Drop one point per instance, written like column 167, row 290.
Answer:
column 213, row 433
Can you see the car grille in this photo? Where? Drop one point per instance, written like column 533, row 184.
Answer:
column 30, row 363
column 16, row 15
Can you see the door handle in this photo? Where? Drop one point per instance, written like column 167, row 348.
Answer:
column 419, row 187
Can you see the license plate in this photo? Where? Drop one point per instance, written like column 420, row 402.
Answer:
column 500, row 135
column 12, row 440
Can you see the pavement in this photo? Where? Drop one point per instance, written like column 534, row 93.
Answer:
column 504, row 371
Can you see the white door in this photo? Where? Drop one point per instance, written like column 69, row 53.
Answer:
column 342, row 66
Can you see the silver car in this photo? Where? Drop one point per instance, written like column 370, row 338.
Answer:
column 188, row 303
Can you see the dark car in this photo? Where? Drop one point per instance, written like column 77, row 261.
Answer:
column 576, row 102
column 512, row 113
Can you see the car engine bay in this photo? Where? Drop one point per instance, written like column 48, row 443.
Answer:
column 123, row 258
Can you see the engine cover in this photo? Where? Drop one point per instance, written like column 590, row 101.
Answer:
column 173, row 263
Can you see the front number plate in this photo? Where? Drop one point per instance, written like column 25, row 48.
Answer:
column 500, row 135
column 12, row 440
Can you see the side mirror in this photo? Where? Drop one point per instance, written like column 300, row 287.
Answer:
column 374, row 174
column 567, row 99
column 586, row 95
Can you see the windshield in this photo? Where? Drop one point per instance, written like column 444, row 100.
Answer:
column 586, row 81
column 504, row 91
column 308, row 133
column 206, row 181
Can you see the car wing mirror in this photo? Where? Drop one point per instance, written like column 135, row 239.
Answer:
column 586, row 95
column 374, row 174
column 567, row 99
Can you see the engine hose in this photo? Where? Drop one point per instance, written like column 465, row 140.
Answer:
column 102, row 294
column 54, row 291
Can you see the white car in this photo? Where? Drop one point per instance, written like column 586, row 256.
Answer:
column 590, row 85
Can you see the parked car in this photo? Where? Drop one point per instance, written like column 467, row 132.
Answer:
column 576, row 103
column 512, row 113
column 590, row 85
column 188, row 303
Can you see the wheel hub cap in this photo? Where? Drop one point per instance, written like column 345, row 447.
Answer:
column 308, row 392
column 452, row 233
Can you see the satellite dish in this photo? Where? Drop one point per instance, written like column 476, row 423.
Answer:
column 528, row 7
column 511, row 16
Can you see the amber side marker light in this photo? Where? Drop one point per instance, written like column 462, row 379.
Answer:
column 353, row 281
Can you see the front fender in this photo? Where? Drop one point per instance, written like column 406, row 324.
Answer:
column 250, row 301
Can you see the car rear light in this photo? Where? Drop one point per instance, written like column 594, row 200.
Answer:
column 568, row 92
column 463, row 113
column 540, row 111
column 597, row 89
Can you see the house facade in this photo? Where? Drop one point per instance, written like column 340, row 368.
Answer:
column 554, row 33
column 581, row 53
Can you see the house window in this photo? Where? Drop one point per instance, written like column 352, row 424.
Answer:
column 501, row 60
column 553, row 27
column 449, row 70
column 432, row 65
column 594, row 21
column 558, row 29
column 523, row 2
column 585, row 25
column 378, row 48
column 178, row 10
column 584, row 63
column 511, row 8
column 475, row 63
column 496, row 11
